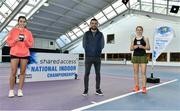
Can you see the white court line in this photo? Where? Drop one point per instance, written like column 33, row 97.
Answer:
column 119, row 97
column 4, row 76
column 93, row 102
column 115, row 76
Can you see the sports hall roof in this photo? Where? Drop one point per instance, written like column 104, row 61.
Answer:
column 67, row 20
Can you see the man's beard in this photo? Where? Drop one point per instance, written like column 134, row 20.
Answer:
column 93, row 28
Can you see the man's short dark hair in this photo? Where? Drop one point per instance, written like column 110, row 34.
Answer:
column 94, row 20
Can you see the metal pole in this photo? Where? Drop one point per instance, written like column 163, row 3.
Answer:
column 0, row 55
column 167, row 10
column 152, row 66
column 152, row 6
column 140, row 5
column 152, row 69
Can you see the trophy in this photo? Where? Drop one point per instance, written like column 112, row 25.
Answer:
column 21, row 37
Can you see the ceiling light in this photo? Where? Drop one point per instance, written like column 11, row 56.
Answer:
column 46, row 4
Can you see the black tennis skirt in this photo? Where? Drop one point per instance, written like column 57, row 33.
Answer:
column 16, row 57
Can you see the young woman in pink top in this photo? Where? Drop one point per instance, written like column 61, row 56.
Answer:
column 19, row 40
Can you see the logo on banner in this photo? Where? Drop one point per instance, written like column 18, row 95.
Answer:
column 32, row 59
column 164, row 30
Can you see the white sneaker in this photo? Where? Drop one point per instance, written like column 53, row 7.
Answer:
column 11, row 93
column 20, row 93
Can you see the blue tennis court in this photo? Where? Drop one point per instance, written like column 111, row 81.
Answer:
column 117, row 84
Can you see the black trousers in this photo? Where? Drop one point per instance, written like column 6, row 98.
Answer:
column 97, row 65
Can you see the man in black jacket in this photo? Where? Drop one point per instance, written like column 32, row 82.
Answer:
column 93, row 43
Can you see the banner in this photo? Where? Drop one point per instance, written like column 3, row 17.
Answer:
column 51, row 66
column 163, row 36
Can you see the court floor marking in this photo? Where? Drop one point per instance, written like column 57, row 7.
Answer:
column 3, row 76
column 121, row 96
column 123, row 77
column 111, row 75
